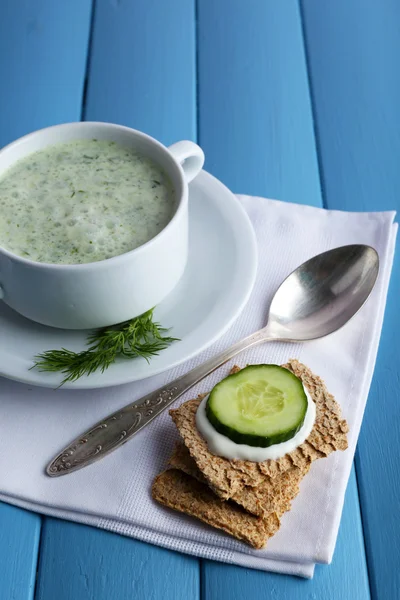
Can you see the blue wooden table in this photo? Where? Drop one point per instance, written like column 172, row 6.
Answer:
column 292, row 100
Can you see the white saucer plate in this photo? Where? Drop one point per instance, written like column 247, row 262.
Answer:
column 214, row 289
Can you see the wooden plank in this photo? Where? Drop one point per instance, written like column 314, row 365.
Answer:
column 19, row 542
column 142, row 74
column 78, row 562
column 42, row 74
column 353, row 50
column 329, row 582
column 142, row 69
column 43, row 46
column 256, row 127
column 255, row 122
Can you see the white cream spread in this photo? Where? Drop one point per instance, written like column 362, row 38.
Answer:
column 220, row 445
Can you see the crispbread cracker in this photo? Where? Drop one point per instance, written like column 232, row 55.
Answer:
column 179, row 491
column 273, row 495
column 229, row 477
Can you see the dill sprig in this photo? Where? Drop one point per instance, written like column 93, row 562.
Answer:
column 138, row 337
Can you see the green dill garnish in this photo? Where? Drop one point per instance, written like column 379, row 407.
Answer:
column 138, row 337
column 73, row 194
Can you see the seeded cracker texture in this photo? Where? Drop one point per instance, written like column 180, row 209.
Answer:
column 181, row 492
column 273, row 495
column 243, row 498
column 228, row 477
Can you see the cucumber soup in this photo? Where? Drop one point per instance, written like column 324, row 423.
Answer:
column 82, row 201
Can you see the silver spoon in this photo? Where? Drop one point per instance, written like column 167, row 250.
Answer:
column 316, row 299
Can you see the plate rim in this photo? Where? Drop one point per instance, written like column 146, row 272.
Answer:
column 84, row 383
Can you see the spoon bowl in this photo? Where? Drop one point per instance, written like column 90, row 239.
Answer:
column 323, row 294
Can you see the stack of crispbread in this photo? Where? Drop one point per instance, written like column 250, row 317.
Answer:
column 246, row 499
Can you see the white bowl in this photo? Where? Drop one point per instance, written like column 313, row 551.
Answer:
column 102, row 293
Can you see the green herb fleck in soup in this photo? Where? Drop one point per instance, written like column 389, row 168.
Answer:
column 81, row 202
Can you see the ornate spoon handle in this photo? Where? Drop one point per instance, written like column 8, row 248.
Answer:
column 116, row 429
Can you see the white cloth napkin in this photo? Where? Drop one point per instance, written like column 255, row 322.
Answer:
column 114, row 494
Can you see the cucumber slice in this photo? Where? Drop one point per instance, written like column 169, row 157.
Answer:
column 261, row 405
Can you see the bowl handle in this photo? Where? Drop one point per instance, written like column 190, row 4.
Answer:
column 190, row 156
